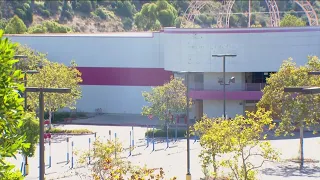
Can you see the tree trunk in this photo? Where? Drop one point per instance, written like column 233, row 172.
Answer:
column 215, row 168
column 301, row 144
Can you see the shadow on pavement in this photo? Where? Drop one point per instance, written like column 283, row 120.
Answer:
column 271, row 136
column 291, row 170
column 59, row 138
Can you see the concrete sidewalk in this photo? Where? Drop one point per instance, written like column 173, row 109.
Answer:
column 123, row 120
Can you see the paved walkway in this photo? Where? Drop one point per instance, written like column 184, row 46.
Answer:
column 173, row 159
column 122, row 120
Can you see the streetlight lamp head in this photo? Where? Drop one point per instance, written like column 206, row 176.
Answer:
column 232, row 80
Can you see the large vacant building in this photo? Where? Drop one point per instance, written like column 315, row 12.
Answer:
column 117, row 67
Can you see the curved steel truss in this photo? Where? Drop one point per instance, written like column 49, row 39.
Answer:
column 223, row 12
column 310, row 12
column 274, row 13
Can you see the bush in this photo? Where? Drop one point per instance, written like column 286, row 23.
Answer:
column 69, row 131
column 101, row 12
column 163, row 133
column 127, row 23
column 124, row 8
column 15, row 26
column 84, row 6
column 60, row 116
column 3, row 23
column 49, row 27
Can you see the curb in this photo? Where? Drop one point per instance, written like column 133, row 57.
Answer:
column 71, row 134
column 121, row 125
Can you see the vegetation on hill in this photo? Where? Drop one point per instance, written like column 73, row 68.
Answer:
column 64, row 16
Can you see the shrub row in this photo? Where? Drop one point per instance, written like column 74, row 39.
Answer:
column 69, row 131
column 163, row 133
column 60, row 116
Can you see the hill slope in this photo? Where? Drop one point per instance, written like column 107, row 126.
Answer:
column 91, row 16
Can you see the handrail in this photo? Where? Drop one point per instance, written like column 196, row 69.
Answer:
column 247, row 87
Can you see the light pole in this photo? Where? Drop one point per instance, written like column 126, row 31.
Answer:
column 224, row 78
column 26, row 166
column 186, row 73
column 188, row 175
column 41, row 115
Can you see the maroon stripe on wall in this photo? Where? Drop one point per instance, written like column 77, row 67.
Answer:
column 124, row 76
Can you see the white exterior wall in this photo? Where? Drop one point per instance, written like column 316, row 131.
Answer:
column 118, row 50
column 112, row 99
column 263, row 51
column 112, row 50
column 188, row 50
column 214, row 108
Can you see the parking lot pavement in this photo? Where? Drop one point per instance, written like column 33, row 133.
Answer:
column 172, row 160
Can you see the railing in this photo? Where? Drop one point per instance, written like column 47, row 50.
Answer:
column 247, row 87
column 255, row 86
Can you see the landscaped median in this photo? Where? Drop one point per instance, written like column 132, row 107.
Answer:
column 70, row 131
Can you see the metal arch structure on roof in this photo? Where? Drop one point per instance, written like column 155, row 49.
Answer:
column 310, row 12
column 224, row 12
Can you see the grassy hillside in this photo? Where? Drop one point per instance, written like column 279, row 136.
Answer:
column 92, row 16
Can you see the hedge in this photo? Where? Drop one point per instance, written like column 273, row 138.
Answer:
column 163, row 133
column 60, row 116
column 69, row 131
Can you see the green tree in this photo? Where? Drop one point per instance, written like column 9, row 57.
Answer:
column 49, row 27
column 31, row 129
column 3, row 23
column 151, row 14
column 107, row 163
column 213, row 135
column 56, row 75
column 53, row 6
column 166, row 100
column 246, row 143
column 11, row 108
column 84, row 6
column 124, row 8
column 296, row 111
column 15, row 26
column 291, row 21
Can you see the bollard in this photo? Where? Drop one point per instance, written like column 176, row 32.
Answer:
column 153, row 138
column 21, row 168
column 89, row 151
column 68, row 150
column 72, row 155
column 167, row 136
column 110, row 135
column 130, row 145
column 49, row 152
column 95, row 138
column 176, row 132
column 44, row 154
column 132, row 137
column 147, row 135
column 115, row 145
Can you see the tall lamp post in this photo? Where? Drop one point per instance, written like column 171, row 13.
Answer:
column 232, row 80
column 26, row 166
column 41, row 115
column 186, row 73
column 188, row 175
